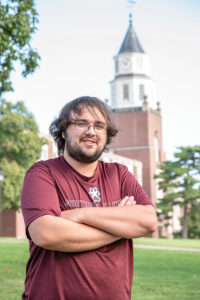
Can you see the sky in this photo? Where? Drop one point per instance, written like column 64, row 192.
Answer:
column 77, row 41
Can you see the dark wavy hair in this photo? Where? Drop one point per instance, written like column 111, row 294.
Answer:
column 59, row 125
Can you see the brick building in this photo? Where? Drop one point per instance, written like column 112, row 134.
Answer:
column 136, row 110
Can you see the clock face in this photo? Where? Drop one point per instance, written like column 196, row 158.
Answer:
column 126, row 63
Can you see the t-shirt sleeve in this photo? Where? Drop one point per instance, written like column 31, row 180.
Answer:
column 39, row 195
column 131, row 187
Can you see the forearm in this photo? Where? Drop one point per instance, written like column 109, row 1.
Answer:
column 55, row 233
column 128, row 221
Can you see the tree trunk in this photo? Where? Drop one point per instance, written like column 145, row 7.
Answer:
column 185, row 223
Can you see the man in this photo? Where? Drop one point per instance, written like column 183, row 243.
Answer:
column 80, row 213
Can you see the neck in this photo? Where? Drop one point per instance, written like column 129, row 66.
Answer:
column 86, row 169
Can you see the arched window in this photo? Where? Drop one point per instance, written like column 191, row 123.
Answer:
column 156, row 146
column 141, row 92
column 116, row 66
column 126, row 92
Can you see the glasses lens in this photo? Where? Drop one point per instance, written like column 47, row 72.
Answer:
column 83, row 126
column 99, row 128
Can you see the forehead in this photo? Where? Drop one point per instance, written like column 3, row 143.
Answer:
column 91, row 114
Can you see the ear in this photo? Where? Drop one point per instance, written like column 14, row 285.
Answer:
column 63, row 136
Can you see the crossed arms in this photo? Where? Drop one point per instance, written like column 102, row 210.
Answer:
column 89, row 228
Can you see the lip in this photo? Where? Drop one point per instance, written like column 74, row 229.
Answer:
column 88, row 141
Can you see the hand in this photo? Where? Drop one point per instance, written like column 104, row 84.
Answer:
column 128, row 200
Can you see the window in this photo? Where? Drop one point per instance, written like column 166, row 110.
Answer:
column 116, row 66
column 156, row 145
column 126, row 92
column 141, row 92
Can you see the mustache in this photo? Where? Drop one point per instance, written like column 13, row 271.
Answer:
column 88, row 137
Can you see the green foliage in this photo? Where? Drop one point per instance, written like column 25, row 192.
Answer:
column 179, row 181
column 194, row 221
column 11, row 187
column 20, row 147
column 18, row 19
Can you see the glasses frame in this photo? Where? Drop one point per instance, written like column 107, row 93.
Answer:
column 94, row 126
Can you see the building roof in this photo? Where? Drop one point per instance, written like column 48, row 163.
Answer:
column 131, row 42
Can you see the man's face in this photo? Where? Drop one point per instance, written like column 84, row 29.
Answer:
column 84, row 144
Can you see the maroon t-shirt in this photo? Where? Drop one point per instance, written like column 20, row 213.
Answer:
column 102, row 274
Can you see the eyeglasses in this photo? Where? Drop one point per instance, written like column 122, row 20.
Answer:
column 83, row 126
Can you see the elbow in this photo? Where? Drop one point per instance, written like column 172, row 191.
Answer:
column 144, row 228
column 145, row 224
column 42, row 231
column 152, row 224
column 40, row 239
column 45, row 240
column 148, row 224
column 42, row 242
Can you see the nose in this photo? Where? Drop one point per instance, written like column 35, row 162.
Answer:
column 90, row 129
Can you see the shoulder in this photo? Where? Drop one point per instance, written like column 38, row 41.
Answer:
column 120, row 171
column 44, row 166
column 114, row 168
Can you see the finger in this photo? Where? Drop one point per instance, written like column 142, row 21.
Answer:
column 123, row 201
column 130, row 201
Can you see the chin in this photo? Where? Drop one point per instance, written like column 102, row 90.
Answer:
column 89, row 157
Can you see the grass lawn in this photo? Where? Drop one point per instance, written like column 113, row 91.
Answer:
column 13, row 257
column 166, row 275
column 183, row 243
column 158, row 274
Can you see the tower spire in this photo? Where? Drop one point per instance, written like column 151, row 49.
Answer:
column 131, row 42
column 131, row 3
column 130, row 19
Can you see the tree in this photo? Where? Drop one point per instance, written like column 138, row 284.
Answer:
column 20, row 147
column 194, row 221
column 11, row 185
column 20, row 144
column 18, row 19
column 179, row 181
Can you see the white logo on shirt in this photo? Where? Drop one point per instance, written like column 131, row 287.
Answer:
column 95, row 194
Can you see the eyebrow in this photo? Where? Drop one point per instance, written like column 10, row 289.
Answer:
column 96, row 122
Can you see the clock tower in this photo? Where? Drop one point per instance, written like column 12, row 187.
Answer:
column 136, row 110
column 132, row 81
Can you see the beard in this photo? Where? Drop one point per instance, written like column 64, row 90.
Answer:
column 80, row 155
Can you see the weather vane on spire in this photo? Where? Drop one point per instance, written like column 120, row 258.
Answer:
column 131, row 3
